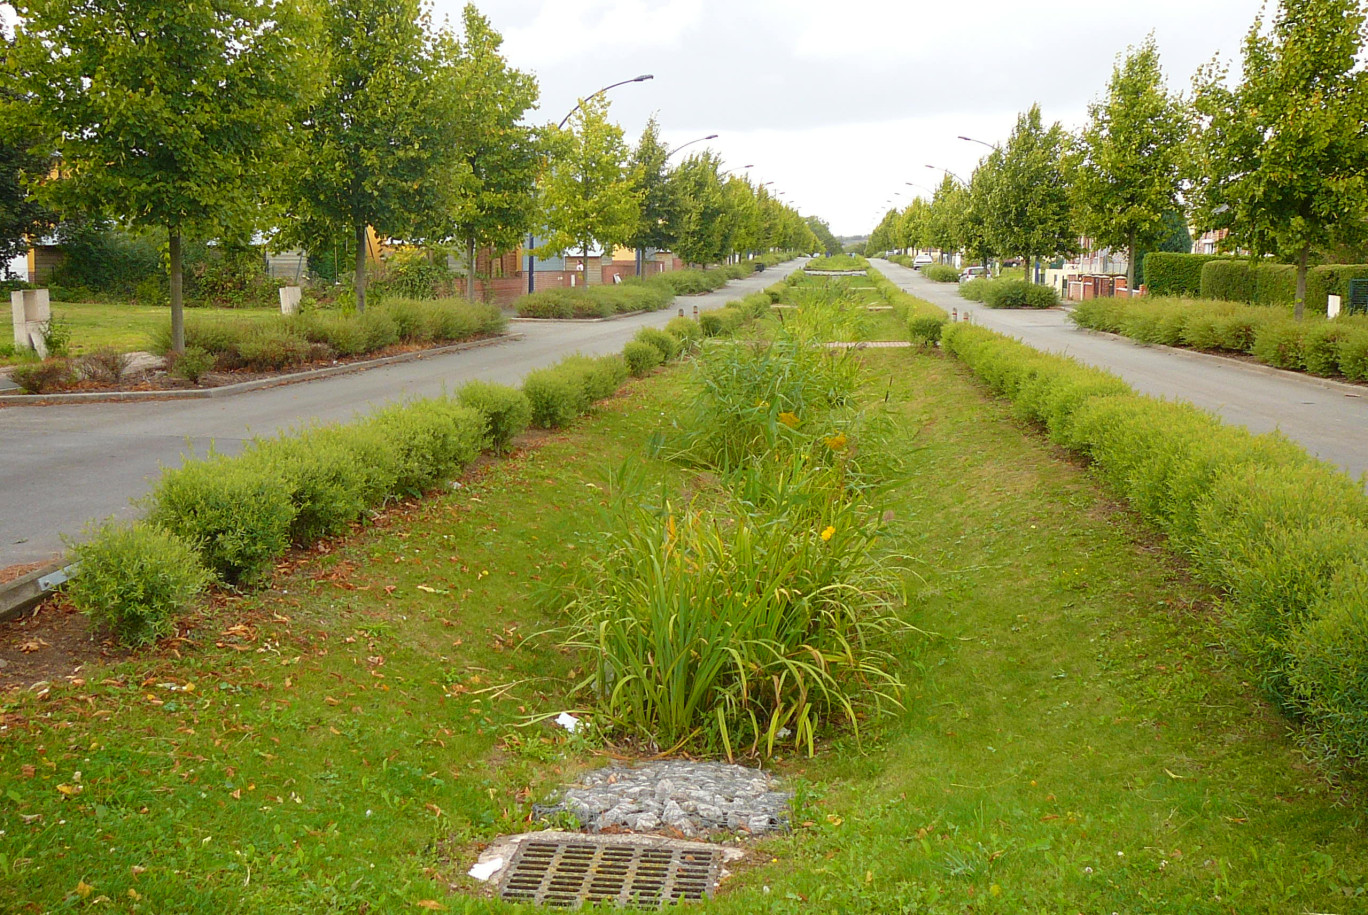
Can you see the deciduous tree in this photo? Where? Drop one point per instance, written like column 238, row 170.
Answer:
column 160, row 113
column 1128, row 163
column 1281, row 158
column 589, row 193
column 1030, row 213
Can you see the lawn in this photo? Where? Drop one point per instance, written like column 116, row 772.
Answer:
column 127, row 328
column 1074, row 738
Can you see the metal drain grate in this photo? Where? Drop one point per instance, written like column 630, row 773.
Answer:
column 568, row 871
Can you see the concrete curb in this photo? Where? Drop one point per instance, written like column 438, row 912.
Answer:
column 29, row 590
column 1329, row 384
column 619, row 317
column 228, row 390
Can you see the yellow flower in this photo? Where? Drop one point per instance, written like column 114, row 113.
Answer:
column 836, row 442
column 827, row 534
column 789, row 419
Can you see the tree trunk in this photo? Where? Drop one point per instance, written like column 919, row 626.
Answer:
column 177, row 301
column 360, row 279
column 1130, row 265
column 1300, row 308
column 470, row 268
column 584, row 265
column 640, row 261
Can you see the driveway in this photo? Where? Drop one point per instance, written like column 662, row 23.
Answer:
column 1329, row 419
column 62, row 467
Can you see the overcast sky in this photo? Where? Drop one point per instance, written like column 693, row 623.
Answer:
column 841, row 103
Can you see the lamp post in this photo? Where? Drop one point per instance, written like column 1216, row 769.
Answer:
column 730, row 170
column 531, row 241
column 711, row 136
column 937, row 168
column 980, row 142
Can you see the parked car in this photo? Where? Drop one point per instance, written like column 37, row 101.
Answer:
column 921, row 260
column 973, row 273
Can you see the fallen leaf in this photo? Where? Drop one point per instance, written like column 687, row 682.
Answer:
column 432, row 904
column 84, row 889
column 32, row 646
column 70, row 790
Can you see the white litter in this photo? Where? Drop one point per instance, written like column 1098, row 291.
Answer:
column 483, row 870
column 567, row 721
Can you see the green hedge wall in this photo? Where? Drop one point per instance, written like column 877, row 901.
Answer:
column 1260, row 283
column 1167, row 273
column 1284, row 535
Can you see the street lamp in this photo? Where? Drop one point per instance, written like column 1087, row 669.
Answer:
column 531, row 241
column 937, row 168
column 980, row 142
column 711, row 136
column 730, row 170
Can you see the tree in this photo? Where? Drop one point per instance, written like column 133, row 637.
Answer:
column 589, row 194
column 945, row 219
column 914, row 225
column 1029, row 200
column 500, row 152
column 1281, row 158
column 656, row 226
column 160, row 113
column 379, row 146
column 1128, row 165
column 701, row 233
column 822, row 233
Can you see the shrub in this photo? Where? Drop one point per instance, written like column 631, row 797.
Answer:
column 721, row 321
column 692, row 282
column 974, row 290
column 379, row 330
column 1321, row 347
column 327, row 484
column 560, row 303
column 46, row 377
column 555, row 395
column 1274, row 284
column 1019, row 294
column 105, row 364
column 135, row 580
column 664, row 342
column 270, row 347
column 339, row 331
column 687, row 331
column 506, row 410
column 641, row 358
column 941, row 273
column 431, row 440
column 236, row 516
column 192, row 365
column 1353, row 355
column 1328, row 672
column 1330, row 279
column 1171, row 273
column 925, row 329
column 1280, row 344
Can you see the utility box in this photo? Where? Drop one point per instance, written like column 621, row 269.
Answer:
column 31, row 311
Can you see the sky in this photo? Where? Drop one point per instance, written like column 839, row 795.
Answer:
column 840, row 104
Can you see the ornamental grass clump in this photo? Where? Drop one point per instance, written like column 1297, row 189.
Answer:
column 738, row 631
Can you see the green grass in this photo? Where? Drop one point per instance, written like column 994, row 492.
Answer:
column 128, row 328
column 1074, row 739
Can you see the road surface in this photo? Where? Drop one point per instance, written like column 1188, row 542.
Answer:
column 62, row 467
column 1329, row 419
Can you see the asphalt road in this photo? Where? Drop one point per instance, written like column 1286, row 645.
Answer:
column 1329, row 419
column 62, row 467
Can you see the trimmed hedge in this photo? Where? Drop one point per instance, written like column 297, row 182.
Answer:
column 1170, row 273
column 1265, row 283
column 1326, row 348
column 1283, row 535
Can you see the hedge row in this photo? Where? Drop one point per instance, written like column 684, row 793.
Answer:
column 1282, row 534
column 1319, row 346
column 1262, row 283
column 1170, row 273
column 1009, row 293
column 634, row 294
column 229, row 519
column 314, row 336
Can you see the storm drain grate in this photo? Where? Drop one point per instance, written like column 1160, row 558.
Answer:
column 569, row 871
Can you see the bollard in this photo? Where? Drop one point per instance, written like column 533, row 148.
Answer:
column 695, row 312
column 681, row 312
column 954, row 315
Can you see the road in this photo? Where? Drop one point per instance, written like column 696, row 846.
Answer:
column 62, row 467
column 1330, row 420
